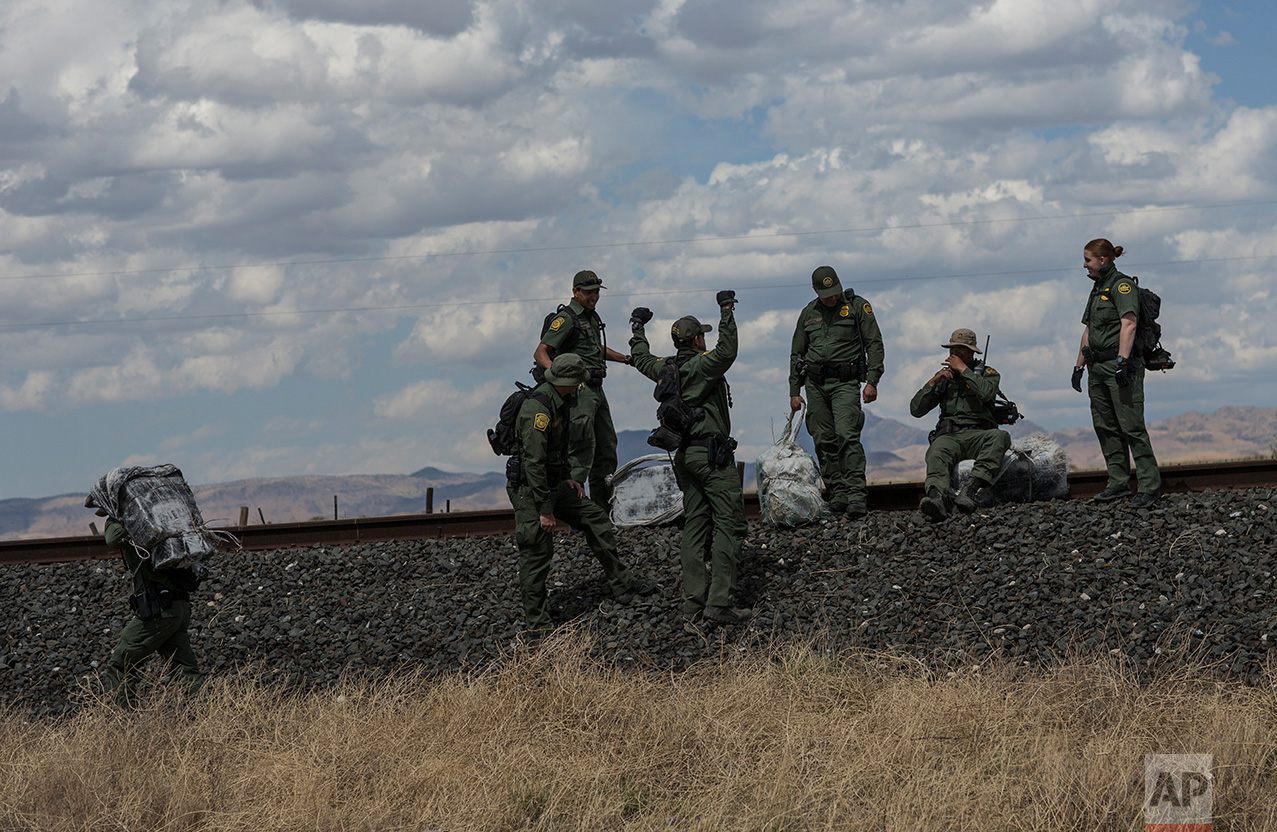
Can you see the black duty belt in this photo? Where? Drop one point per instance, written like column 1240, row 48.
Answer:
column 596, row 378
column 1092, row 356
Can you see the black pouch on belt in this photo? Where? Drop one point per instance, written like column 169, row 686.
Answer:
column 721, row 450
column 514, row 470
column 145, row 603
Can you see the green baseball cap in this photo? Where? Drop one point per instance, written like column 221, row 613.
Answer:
column 687, row 328
column 567, row 370
column 586, row 279
column 825, row 281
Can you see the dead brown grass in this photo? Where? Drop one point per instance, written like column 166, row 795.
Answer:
column 802, row 739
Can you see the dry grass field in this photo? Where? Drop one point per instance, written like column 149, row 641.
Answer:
column 802, row 739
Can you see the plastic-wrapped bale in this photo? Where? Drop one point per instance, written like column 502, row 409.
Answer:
column 157, row 509
column 1034, row 468
column 789, row 484
column 645, row 492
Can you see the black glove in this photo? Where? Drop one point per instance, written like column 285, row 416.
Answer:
column 639, row 316
column 727, row 297
column 1125, row 373
column 1077, row 378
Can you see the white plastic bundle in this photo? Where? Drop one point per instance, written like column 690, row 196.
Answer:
column 645, row 493
column 157, row 509
column 1035, row 468
column 789, row 485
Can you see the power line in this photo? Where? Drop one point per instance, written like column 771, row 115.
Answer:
column 637, row 243
column 615, row 294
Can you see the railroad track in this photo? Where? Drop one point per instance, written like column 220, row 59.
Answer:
column 883, row 497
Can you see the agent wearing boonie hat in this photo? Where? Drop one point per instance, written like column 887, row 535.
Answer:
column 963, row 338
column 837, row 347
column 704, row 465
column 963, row 390
column 545, row 493
column 577, row 328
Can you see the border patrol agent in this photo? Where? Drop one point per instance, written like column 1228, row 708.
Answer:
column 837, row 346
column 713, row 506
column 546, row 493
column 1115, row 380
column 579, row 329
column 161, row 602
column 963, row 389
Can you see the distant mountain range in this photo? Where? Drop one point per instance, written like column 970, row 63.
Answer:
column 895, row 453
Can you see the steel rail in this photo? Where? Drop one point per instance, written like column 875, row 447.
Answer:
column 1260, row 473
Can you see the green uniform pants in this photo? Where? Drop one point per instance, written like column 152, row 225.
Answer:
column 536, row 548
column 592, row 444
column 1118, row 416
column 834, row 420
column 713, row 529
column 986, row 447
column 165, row 635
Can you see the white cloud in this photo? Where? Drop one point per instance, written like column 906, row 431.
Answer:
column 932, row 138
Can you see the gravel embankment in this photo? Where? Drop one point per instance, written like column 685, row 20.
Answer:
column 1027, row 582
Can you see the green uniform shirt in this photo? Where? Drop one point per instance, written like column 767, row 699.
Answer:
column 589, row 335
column 964, row 399
column 140, row 568
column 543, row 442
column 836, row 335
column 700, row 376
column 1113, row 295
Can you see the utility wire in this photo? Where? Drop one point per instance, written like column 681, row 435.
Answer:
column 453, row 304
column 638, row 243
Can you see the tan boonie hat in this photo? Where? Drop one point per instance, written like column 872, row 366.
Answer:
column 567, row 370
column 825, row 281
column 962, row 338
column 687, row 328
column 586, row 279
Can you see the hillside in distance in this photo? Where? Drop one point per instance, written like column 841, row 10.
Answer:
column 895, row 453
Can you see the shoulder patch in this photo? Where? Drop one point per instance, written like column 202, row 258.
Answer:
column 556, row 324
column 541, row 421
column 845, row 311
column 1124, row 288
column 868, row 309
column 989, row 371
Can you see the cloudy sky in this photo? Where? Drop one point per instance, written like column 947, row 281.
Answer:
column 276, row 237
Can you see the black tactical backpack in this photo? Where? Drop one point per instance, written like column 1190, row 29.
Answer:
column 675, row 417
column 503, row 438
column 1148, row 332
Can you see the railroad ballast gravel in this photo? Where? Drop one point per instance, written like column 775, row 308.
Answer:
column 1192, row 577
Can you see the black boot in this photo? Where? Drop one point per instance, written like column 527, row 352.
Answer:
column 968, row 498
column 933, row 507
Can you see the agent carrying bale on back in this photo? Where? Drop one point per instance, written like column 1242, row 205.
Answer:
column 154, row 522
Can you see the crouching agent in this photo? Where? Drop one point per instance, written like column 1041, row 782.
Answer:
column 161, row 603
column 544, row 494
column 964, row 390
column 713, row 507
